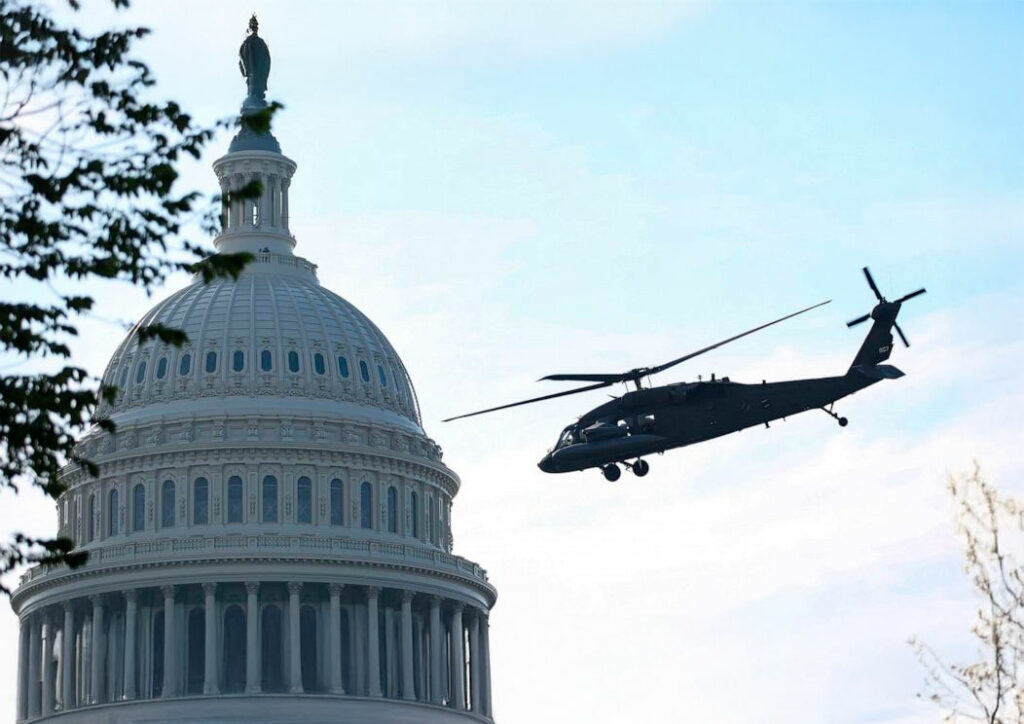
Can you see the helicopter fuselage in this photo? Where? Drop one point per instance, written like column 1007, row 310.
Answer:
column 656, row 419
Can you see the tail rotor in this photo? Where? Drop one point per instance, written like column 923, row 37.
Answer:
column 885, row 308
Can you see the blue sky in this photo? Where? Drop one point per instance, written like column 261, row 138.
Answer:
column 515, row 189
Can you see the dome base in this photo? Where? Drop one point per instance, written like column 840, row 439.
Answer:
column 267, row 709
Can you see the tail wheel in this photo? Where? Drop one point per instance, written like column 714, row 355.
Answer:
column 843, row 422
column 611, row 472
column 641, row 468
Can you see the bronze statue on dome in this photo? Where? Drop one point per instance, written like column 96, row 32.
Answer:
column 254, row 62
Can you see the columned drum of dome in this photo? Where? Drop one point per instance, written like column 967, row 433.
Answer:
column 269, row 535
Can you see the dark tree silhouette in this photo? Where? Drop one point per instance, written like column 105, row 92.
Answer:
column 990, row 689
column 88, row 171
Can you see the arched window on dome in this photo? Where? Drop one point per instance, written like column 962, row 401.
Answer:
column 90, row 524
column 167, row 504
column 238, row 360
column 185, row 366
column 308, row 647
column 318, row 364
column 112, row 512
column 392, row 509
column 266, row 360
column 233, row 664
column 270, row 499
column 124, row 377
column 196, row 663
column 235, row 499
column 271, row 651
column 366, row 505
column 430, row 519
column 138, row 507
column 364, row 371
column 140, row 372
column 161, row 368
column 342, row 366
column 381, row 376
column 414, row 513
column 293, row 361
column 337, row 503
column 211, row 362
column 304, row 500
column 201, row 501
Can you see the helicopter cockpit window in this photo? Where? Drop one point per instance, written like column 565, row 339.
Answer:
column 568, row 437
column 646, row 423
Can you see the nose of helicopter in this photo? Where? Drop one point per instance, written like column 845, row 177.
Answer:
column 546, row 464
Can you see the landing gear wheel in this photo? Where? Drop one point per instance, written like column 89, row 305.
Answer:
column 641, row 468
column 611, row 472
column 843, row 422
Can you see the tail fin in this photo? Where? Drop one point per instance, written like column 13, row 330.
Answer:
column 877, row 345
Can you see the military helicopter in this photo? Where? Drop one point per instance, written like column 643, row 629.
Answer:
column 651, row 420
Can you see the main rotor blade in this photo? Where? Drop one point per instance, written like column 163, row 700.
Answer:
column 563, row 393
column 597, row 377
column 918, row 293
column 871, row 283
column 900, row 333
column 663, row 367
column 858, row 320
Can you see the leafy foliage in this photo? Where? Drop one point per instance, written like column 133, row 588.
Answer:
column 990, row 689
column 88, row 172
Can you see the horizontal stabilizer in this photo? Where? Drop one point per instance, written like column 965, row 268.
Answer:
column 878, row 372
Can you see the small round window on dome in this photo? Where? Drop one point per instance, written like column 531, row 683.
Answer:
column 161, row 368
column 238, row 361
column 211, row 361
column 186, row 364
column 293, row 361
column 318, row 364
column 364, row 371
column 342, row 366
column 140, row 372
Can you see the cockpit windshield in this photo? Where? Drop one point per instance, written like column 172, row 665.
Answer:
column 568, row 437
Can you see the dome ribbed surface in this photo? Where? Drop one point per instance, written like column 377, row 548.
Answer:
column 273, row 332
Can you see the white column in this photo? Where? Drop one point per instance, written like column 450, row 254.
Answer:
column 252, row 619
column 210, row 674
column 458, row 659
column 46, row 641
column 485, row 661
column 373, row 641
column 67, row 659
column 475, row 689
column 408, row 688
column 294, row 639
column 98, row 649
column 336, row 686
column 24, row 637
column 170, row 645
column 436, row 692
column 130, row 626
column 34, row 668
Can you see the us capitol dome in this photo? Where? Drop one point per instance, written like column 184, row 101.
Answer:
column 269, row 536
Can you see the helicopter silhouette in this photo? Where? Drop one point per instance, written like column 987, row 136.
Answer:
column 650, row 420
